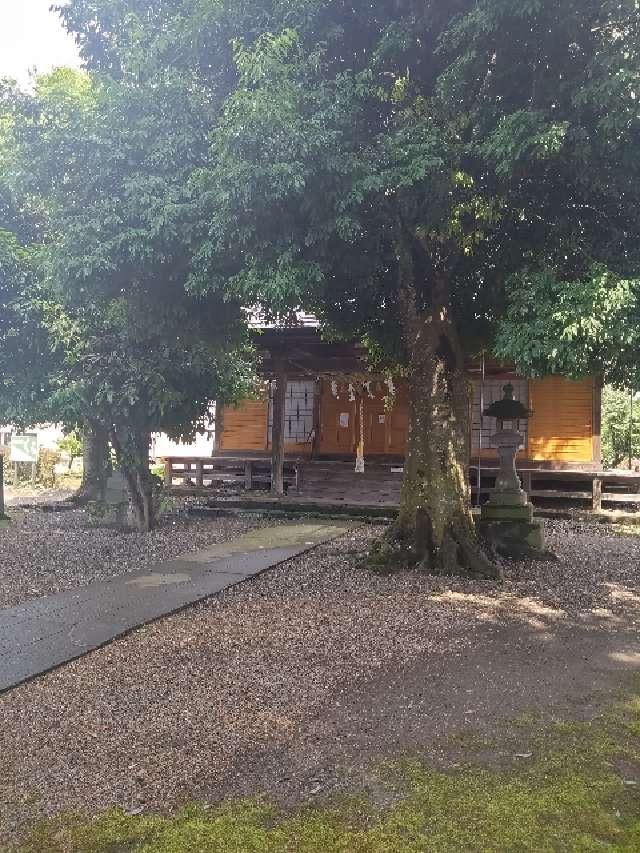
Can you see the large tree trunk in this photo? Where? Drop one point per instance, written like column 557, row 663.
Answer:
column 435, row 530
column 96, row 463
column 132, row 452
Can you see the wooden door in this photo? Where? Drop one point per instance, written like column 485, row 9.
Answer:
column 337, row 421
column 375, row 421
column 398, row 421
column 561, row 427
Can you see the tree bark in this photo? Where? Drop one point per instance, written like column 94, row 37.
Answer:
column 132, row 452
column 277, row 432
column 96, row 464
column 435, row 530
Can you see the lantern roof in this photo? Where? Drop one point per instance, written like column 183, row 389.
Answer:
column 508, row 408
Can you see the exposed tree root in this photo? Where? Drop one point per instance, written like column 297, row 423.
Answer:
column 79, row 499
column 458, row 553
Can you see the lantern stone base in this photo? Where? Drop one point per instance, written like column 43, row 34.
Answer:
column 508, row 512
column 512, row 530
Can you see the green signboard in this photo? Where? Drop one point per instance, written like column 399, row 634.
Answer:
column 24, row 448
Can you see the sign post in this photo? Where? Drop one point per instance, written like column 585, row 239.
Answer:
column 24, row 448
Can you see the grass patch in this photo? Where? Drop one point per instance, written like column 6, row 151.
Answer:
column 570, row 796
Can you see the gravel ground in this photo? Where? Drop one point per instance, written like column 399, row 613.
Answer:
column 192, row 705
column 26, row 494
column 46, row 552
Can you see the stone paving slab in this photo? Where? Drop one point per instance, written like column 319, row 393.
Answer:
column 44, row 633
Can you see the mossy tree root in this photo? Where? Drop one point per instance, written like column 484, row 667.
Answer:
column 458, row 553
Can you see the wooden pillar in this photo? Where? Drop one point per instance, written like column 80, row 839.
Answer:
column 168, row 473
column 277, row 434
column 360, row 433
column 248, row 475
column 317, row 426
column 596, row 421
column 219, row 427
column 597, row 494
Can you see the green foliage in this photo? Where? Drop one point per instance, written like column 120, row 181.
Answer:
column 28, row 358
column 620, row 427
column 72, row 445
column 378, row 163
column 567, row 798
column 592, row 326
column 124, row 344
column 138, row 351
column 157, row 470
column 23, row 339
column 456, row 137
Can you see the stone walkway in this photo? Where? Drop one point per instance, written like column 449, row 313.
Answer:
column 43, row 633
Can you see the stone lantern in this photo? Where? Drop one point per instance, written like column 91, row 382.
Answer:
column 506, row 520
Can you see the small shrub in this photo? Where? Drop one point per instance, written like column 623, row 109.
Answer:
column 47, row 461
column 72, row 446
column 157, row 470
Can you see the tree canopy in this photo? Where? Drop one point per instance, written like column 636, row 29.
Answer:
column 436, row 177
column 108, row 162
column 24, row 342
column 497, row 139
column 432, row 177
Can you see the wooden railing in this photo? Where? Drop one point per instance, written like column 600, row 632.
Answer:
column 597, row 487
column 235, row 472
column 327, row 481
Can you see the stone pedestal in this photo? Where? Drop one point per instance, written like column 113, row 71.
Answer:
column 506, row 520
column 116, row 507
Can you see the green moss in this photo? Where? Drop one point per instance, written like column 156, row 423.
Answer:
column 568, row 796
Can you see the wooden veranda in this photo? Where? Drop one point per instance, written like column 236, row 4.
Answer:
column 336, row 483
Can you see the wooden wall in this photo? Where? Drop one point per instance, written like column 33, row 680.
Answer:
column 564, row 427
column 561, row 428
column 399, row 421
column 245, row 426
